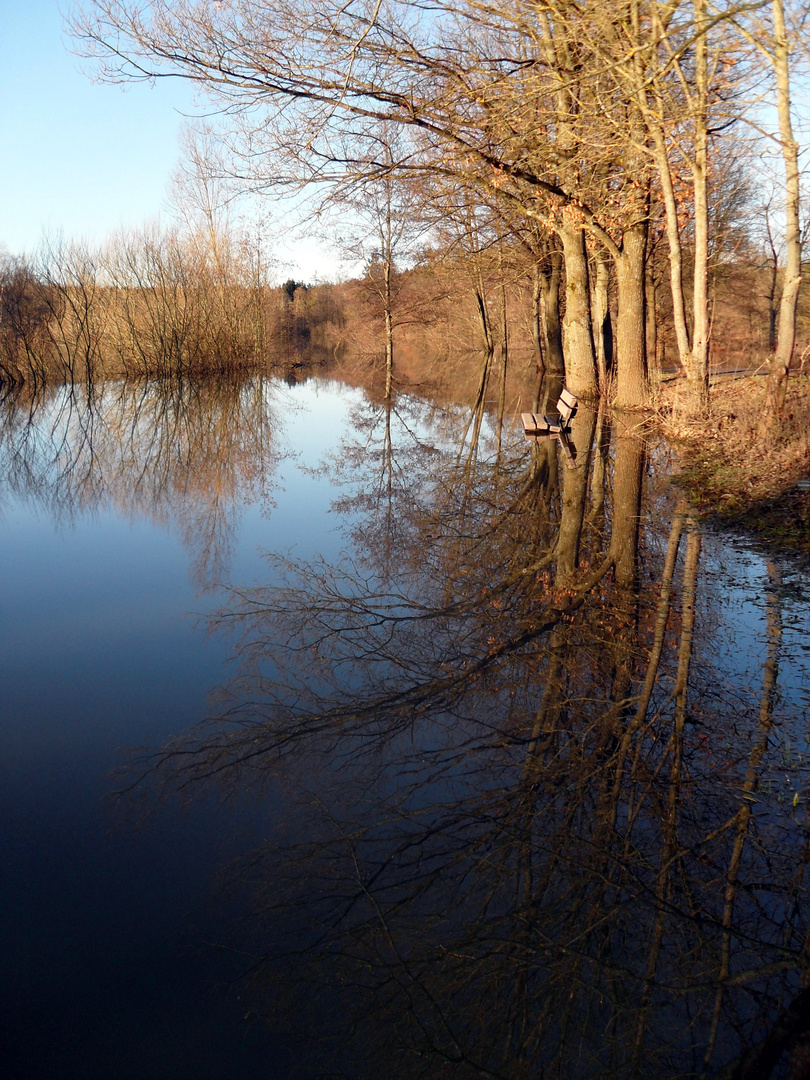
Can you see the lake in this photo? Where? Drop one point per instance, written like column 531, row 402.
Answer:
column 351, row 739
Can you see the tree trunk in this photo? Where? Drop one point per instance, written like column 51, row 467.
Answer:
column 773, row 283
column 772, row 308
column 580, row 363
column 603, row 328
column 674, row 242
column 651, row 314
column 504, row 364
column 786, row 338
column 632, row 386
column 389, row 334
column 550, row 322
column 483, row 315
column 537, row 320
column 698, row 374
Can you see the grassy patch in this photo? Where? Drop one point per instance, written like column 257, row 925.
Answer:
column 740, row 468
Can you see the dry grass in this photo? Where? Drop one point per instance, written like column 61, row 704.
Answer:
column 738, row 465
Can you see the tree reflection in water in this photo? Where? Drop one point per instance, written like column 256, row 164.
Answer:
column 177, row 453
column 534, row 829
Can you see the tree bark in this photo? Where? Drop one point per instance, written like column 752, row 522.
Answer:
column 632, row 388
column 651, row 319
column 537, row 320
column 786, row 338
column 389, row 333
column 580, row 362
column 552, row 329
column 698, row 372
column 603, row 328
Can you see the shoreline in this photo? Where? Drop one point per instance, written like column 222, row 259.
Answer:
column 739, row 471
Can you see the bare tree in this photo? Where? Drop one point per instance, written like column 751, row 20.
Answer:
column 502, row 99
column 385, row 220
column 779, row 55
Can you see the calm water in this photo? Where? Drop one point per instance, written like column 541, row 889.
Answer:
column 438, row 753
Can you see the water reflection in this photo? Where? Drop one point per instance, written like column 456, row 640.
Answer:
column 538, row 826
column 183, row 455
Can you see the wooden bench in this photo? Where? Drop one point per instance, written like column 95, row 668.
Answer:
column 535, row 424
column 567, row 448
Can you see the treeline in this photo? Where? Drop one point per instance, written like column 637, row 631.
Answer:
column 607, row 140
column 161, row 304
column 452, row 310
column 156, row 304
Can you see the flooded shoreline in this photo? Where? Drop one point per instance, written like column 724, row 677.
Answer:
column 500, row 765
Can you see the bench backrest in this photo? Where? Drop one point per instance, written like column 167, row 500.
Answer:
column 566, row 405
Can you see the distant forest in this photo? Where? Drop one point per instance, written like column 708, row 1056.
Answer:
column 168, row 304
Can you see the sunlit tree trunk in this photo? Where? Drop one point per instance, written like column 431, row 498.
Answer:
column 699, row 356
column 580, row 363
column 656, row 103
column 389, row 329
column 675, row 247
column 632, row 389
column 786, row 337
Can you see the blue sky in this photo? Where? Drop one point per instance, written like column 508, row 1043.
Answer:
column 84, row 158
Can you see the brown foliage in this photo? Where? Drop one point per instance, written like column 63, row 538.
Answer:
column 736, row 465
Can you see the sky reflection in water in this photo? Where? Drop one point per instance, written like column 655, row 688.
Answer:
column 442, row 781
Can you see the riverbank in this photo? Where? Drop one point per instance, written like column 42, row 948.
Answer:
column 735, row 469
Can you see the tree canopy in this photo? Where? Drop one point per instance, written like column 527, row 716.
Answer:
column 578, row 117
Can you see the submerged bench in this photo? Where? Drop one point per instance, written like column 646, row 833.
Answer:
column 535, row 424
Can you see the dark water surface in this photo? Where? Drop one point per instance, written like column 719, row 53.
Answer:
column 504, row 768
